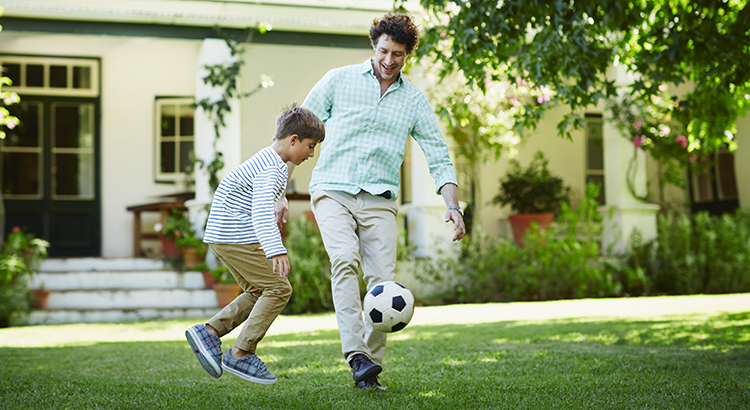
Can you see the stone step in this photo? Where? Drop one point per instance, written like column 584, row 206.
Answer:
column 62, row 316
column 132, row 299
column 102, row 264
column 92, row 280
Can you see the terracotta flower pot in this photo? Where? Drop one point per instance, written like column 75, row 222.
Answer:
column 190, row 257
column 169, row 248
column 40, row 298
column 209, row 280
column 225, row 294
column 522, row 222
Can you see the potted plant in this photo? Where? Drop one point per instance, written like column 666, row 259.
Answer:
column 208, row 279
column 21, row 256
column 180, row 230
column 226, row 287
column 533, row 193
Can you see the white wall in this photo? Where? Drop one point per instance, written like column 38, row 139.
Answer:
column 566, row 160
column 133, row 72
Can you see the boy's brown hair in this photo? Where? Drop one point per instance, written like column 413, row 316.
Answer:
column 398, row 27
column 301, row 121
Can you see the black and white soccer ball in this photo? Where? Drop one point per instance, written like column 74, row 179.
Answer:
column 389, row 306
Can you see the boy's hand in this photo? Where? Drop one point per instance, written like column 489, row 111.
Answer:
column 281, row 265
column 281, row 209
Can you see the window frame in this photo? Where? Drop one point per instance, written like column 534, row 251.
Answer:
column 589, row 119
column 46, row 89
column 177, row 176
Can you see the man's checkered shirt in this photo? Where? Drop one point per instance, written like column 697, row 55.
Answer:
column 366, row 134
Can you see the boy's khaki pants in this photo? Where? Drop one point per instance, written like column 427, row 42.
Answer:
column 357, row 230
column 264, row 294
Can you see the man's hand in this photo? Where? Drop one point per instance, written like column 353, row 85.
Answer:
column 458, row 223
column 281, row 265
column 281, row 209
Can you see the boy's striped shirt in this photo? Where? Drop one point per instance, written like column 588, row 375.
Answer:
column 242, row 210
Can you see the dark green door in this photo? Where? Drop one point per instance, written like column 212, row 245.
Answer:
column 50, row 173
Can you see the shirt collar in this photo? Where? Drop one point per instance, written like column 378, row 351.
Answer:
column 366, row 67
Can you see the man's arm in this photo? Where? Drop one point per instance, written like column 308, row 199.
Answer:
column 450, row 196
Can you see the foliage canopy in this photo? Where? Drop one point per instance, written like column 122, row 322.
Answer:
column 571, row 47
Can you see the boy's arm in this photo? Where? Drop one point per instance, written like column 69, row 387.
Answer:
column 281, row 208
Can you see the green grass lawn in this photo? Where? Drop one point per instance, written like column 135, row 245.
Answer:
column 688, row 352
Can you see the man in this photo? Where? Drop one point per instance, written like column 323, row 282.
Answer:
column 369, row 111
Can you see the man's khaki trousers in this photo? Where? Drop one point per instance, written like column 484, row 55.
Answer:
column 357, row 230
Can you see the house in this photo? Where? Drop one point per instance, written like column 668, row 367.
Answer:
column 107, row 88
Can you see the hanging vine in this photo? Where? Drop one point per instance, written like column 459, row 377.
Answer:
column 225, row 76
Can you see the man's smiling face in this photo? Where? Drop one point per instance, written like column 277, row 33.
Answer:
column 390, row 58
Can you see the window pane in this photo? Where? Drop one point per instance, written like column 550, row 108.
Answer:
column 21, row 173
column 73, row 126
column 595, row 151
column 168, row 113
column 727, row 181
column 186, row 156
column 74, row 175
column 58, row 76
column 168, row 157
column 26, row 134
column 598, row 180
column 13, row 71
column 186, row 120
column 34, row 75
column 82, row 77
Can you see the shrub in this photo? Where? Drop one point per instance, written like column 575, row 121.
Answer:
column 21, row 256
column 698, row 254
column 561, row 262
column 310, row 273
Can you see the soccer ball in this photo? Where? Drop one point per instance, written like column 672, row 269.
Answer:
column 389, row 306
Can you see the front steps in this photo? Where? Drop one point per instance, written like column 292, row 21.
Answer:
column 89, row 290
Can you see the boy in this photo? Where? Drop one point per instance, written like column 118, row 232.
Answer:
column 244, row 235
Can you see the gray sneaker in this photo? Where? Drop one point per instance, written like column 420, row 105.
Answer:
column 207, row 349
column 249, row 368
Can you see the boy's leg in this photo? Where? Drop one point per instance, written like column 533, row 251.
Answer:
column 267, row 291
column 236, row 312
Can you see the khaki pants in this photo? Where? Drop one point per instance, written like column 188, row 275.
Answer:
column 264, row 294
column 357, row 230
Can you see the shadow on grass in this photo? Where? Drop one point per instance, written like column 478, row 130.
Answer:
column 677, row 363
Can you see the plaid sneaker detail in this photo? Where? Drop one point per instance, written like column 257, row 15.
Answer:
column 207, row 349
column 249, row 368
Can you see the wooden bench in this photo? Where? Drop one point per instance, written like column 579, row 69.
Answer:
column 164, row 208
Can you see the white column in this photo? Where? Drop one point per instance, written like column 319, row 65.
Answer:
column 425, row 215
column 213, row 52
column 623, row 211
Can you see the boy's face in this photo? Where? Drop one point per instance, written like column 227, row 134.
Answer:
column 301, row 149
column 390, row 58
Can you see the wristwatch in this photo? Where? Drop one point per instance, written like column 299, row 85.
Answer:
column 456, row 207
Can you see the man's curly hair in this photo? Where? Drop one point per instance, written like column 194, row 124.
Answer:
column 398, row 27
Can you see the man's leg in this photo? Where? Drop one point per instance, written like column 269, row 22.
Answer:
column 333, row 213
column 378, row 234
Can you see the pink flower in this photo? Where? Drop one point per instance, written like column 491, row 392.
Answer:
column 693, row 158
column 639, row 140
column 16, row 228
column 662, row 87
column 637, row 125
column 681, row 140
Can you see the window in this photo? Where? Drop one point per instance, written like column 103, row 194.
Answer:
column 75, row 77
column 175, row 137
column 595, row 153
column 720, row 184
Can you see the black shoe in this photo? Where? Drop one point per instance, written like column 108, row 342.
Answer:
column 363, row 368
column 370, row 384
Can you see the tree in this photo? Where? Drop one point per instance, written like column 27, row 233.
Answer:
column 7, row 122
column 569, row 46
column 480, row 121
